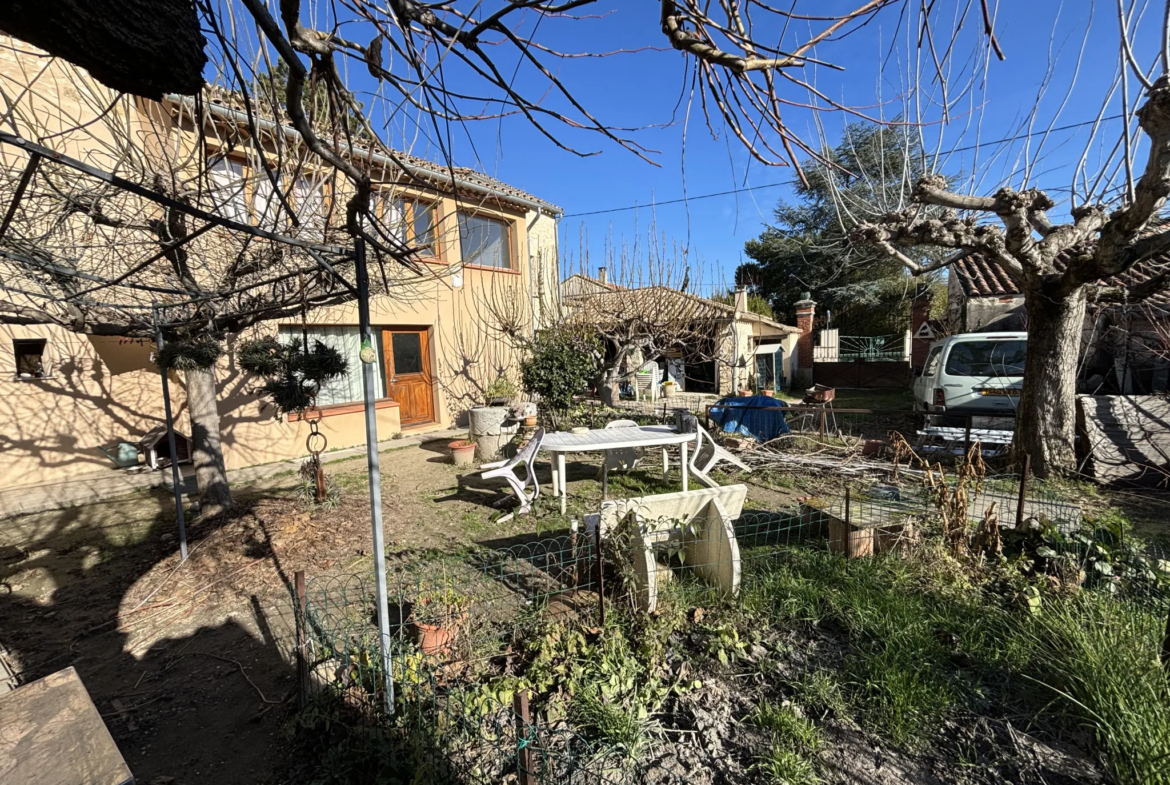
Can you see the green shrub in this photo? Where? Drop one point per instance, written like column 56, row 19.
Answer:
column 559, row 365
column 189, row 354
column 294, row 375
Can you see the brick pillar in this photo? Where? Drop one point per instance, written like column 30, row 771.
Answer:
column 919, row 314
column 805, row 311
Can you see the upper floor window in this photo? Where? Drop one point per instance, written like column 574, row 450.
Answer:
column 250, row 195
column 309, row 202
column 485, row 242
column 229, row 188
column 413, row 223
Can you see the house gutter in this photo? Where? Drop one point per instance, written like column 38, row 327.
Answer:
column 419, row 172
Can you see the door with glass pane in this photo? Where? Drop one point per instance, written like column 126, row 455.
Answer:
column 408, row 374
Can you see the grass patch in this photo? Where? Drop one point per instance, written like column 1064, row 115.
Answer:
column 794, row 740
column 923, row 642
column 1101, row 657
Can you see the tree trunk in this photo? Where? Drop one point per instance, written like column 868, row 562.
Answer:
column 608, row 389
column 1046, row 421
column 214, row 493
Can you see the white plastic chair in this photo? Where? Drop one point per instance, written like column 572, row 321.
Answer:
column 706, row 454
column 507, row 470
column 648, row 378
column 623, row 458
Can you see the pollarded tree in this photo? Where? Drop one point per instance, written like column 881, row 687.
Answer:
column 868, row 173
column 1059, row 266
column 440, row 63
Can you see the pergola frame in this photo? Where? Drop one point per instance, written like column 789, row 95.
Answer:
column 359, row 290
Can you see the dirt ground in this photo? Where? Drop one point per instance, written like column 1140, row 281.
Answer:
column 190, row 664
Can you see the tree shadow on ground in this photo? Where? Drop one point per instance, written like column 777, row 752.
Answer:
column 189, row 689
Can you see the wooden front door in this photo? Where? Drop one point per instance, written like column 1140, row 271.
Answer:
column 408, row 374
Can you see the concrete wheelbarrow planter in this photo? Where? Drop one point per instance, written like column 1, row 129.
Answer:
column 694, row 528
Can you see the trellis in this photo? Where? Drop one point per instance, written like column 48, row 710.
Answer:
column 136, row 300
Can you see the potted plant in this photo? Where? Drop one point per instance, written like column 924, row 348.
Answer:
column 743, row 392
column 499, row 392
column 463, row 451
column 437, row 617
column 769, row 391
column 668, row 387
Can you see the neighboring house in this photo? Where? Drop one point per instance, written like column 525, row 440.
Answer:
column 702, row 345
column 492, row 255
column 1124, row 347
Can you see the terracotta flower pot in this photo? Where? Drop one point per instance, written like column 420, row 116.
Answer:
column 744, row 393
column 768, row 393
column 436, row 640
column 530, row 422
column 433, row 638
column 463, row 452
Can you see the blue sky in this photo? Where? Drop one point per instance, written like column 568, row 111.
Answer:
column 644, row 89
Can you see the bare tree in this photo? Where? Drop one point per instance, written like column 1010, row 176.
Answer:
column 285, row 94
column 1060, row 265
column 643, row 311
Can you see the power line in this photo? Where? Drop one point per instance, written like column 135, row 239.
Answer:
column 675, row 201
column 975, row 146
column 1034, row 133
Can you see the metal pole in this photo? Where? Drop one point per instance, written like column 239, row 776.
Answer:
column 302, row 666
column 368, row 386
column 1025, row 470
column 848, row 524
column 176, row 480
column 524, row 767
column 600, row 570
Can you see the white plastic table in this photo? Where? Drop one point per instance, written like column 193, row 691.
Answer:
column 562, row 443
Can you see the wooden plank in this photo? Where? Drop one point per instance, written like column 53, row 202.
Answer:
column 53, row 735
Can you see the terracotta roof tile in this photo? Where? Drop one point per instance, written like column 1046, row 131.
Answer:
column 980, row 277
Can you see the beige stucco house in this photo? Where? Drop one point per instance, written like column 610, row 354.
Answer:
column 490, row 257
column 705, row 346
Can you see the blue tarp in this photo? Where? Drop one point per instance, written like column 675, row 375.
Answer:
column 737, row 415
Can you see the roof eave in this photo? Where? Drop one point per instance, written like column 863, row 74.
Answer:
column 456, row 183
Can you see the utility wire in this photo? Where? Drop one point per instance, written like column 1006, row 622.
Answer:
column 774, row 185
column 1035, row 133
column 676, row 201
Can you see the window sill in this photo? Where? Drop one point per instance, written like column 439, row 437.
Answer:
column 507, row 270
column 341, row 408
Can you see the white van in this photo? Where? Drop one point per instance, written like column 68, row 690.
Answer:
column 977, row 374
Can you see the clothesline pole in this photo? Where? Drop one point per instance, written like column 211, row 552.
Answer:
column 176, row 480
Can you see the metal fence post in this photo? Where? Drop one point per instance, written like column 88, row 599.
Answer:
column 967, row 438
column 600, row 571
column 525, row 774
column 176, row 476
column 574, row 527
column 302, row 665
column 1025, row 470
column 1166, row 643
column 848, row 523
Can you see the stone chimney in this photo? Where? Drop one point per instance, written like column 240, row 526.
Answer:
column 806, row 309
column 920, row 339
column 603, row 275
column 741, row 299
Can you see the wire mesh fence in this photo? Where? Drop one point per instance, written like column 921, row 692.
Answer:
column 458, row 621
